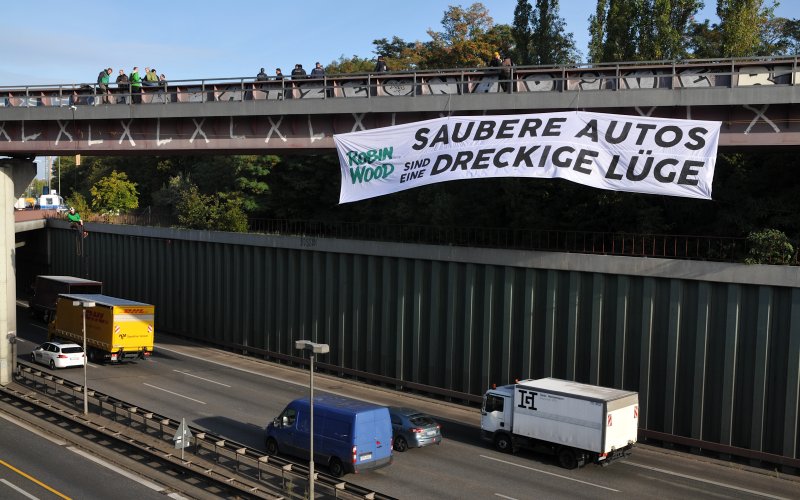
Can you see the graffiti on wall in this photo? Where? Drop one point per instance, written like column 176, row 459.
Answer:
column 477, row 82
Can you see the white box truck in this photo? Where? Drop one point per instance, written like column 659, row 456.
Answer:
column 579, row 423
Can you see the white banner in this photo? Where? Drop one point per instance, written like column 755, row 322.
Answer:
column 617, row 152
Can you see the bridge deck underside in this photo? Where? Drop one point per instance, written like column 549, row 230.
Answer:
column 742, row 126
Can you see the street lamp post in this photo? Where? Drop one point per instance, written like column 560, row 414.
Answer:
column 312, row 348
column 84, row 305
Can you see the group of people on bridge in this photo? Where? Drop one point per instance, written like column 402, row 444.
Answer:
column 129, row 84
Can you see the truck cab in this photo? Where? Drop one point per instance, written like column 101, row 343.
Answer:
column 496, row 416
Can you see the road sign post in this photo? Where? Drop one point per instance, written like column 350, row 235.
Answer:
column 182, row 437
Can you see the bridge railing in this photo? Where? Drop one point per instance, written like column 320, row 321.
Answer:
column 690, row 247
column 613, row 77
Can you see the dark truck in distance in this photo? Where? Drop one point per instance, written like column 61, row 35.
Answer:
column 46, row 290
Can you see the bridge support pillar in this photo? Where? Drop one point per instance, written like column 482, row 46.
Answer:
column 15, row 176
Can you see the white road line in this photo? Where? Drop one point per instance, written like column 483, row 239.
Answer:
column 19, row 490
column 121, row 472
column 201, row 378
column 175, row 393
column 34, row 430
column 549, row 473
column 700, row 479
column 503, row 496
column 253, row 372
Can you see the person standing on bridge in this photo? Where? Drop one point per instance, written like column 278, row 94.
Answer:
column 380, row 65
column 122, row 85
column 261, row 76
column 136, row 86
column 102, row 85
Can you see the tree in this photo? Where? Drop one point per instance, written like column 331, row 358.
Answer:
column 741, row 27
column 665, row 28
column 216, row 212
column 399, row 54
column 635, row 30
column 355, row 64
column 462, row 43
column 550, row 43
column 769, row 246
column 521, row 32
column 614, row 30
column 114, row 194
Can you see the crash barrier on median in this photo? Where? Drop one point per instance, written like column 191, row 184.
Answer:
column 251, row 463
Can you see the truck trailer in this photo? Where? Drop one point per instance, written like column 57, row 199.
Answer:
column 578, row 423
column 46, row 290
column 116, row 329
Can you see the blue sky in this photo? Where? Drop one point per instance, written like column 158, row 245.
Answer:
column 48, row 42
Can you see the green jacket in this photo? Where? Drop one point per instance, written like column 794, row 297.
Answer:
column 136, row 80
column 76, row 217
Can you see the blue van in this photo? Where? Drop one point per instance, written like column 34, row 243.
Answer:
column 349, row 435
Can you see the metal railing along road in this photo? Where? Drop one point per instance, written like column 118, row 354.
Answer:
column 667, row 246
column 287, row 475
column 625, row 76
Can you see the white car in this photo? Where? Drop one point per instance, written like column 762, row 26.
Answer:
column 59, row 355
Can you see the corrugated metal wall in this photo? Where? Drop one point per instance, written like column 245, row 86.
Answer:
column 712, row 360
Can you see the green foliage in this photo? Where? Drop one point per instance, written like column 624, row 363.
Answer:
column 354, row 64
column 741, row 25
column 463, row 42
column 521, row 32
column 114, row 194
column 550, row 42
column 769, row 246
column 80, row 204
column 635, row 30
column 214, row 212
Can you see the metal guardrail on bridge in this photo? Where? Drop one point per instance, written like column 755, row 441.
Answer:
column 667, row 246
column 624, row 76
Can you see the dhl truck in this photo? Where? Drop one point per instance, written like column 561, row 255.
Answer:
column 116, row 329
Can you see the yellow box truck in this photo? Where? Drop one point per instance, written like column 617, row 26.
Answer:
column 116, row 329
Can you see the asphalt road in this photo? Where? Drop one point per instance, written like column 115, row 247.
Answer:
column 34, row 466
column 235, row 397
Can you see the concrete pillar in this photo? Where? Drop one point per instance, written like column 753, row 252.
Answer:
column 15, row 175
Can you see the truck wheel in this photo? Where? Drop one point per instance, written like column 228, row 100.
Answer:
column 503, row 443
column 336, row 468
column 400, row 444
column 567, row 458
column 272, row 447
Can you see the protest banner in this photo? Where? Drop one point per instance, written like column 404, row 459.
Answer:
column 617, row 152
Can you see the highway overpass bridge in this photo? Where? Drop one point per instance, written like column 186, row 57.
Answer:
column 713, row 349
column 756, row 99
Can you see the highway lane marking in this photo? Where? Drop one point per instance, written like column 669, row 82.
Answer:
column 34, row 430
column 700, row 479
column 272, row 377
column 33, row 479
column 174, row 393
column 18, row 489
column 201, row 378
column 503, row 496
column 549, row 473
column 121, row 472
